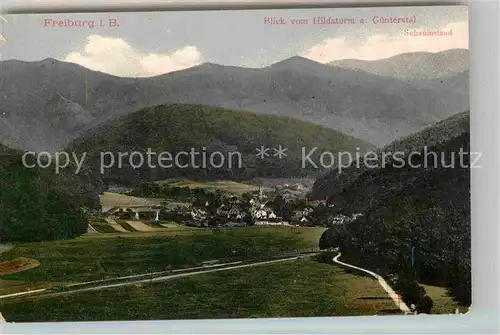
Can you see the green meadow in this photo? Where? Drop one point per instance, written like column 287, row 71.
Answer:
column 301, row 288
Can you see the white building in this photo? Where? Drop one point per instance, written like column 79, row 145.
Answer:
column 260, row 214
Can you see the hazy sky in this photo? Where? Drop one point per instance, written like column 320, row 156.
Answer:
column 152, row 43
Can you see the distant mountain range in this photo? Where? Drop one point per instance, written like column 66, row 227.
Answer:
column 414, row 65
column 45, row 105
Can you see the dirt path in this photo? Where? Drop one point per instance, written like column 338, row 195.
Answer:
column 394, row 296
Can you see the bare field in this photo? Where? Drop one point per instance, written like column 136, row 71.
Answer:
column 110, row 200
column 234, row 187
column 18, row 265
column 141, row 227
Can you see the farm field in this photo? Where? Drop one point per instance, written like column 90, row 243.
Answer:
column 140, row 226
column 100, row 256
column 234, row 187
column 112, row 226
column 298, row 288
column 109, row 200
column 17, row 265
column 106, row 231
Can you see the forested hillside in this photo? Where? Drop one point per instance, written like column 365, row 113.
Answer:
column 178, row 128
column 37, row 205
column 332, row 184
column 425, row 209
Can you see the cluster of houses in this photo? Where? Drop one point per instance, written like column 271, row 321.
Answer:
column 233, row 212
column 236, row 212
column 257, row 210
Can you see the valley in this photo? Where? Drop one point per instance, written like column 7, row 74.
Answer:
column 186, row 240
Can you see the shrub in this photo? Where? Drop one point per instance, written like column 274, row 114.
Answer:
column 425, row 305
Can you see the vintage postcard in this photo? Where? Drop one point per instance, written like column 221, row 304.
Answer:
column 235, row 164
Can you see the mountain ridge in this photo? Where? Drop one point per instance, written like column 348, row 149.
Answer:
column 182, row 128
column 366, row 106
column 332, row 184
column 413, row 65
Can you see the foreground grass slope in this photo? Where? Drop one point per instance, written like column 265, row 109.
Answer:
column 303, row 288
column 90, row 258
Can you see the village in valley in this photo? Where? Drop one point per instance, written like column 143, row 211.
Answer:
column 144, row 177
column 280, row 205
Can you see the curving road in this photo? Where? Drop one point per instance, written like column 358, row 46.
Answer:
column 394, row 296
